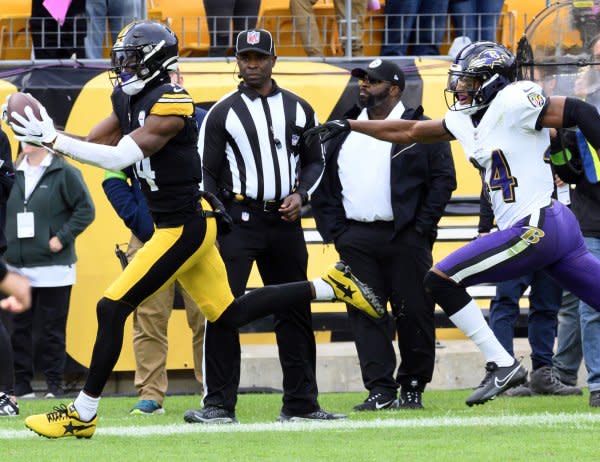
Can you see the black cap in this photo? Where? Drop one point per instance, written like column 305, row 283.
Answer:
column 258, row 40
column 379, row 69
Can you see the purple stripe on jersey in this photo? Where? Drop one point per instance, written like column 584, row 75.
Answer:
column 556, row 246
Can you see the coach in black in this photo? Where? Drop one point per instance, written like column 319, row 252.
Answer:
column 380, row 203
column 253, row 158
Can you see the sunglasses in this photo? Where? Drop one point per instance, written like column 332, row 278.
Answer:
column 370, row 81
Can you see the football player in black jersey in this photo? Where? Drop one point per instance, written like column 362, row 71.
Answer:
column 152, row 126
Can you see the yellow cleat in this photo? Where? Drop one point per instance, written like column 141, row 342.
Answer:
column 63, row 421
column 349, row 289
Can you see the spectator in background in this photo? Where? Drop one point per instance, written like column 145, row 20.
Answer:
column 117, row 13
column 53, row 41
column 8, row 403
column 586, row 207
column 418, row 22
column 150, row 320
column 48, row 207
column 359, row 10
column 306, row 24
column 220, row 14
column 476, row 19
column 384, row 225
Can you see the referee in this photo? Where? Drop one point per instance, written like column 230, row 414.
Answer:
column 254, row 160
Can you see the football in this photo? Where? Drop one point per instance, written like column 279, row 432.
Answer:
column 18, row 102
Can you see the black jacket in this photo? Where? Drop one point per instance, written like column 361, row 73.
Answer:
column 422, row 181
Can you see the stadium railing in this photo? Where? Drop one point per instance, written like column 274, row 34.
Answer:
column 194, row 34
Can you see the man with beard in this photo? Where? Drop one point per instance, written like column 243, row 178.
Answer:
column 382, row 211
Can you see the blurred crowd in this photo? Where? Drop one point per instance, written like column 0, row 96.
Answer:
column 415, row 27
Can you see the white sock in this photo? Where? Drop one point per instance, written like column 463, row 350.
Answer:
column 323, row 291
column 472, row 323
column 86, row 406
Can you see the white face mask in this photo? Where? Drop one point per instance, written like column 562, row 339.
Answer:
column 469, row 109
column 133, row 86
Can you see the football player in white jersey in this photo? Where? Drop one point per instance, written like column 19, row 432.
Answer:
column 503, row 128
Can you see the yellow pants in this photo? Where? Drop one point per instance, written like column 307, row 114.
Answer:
column 150, row 341
column 185, row 253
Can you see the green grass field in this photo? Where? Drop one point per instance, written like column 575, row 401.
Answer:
column 507, row 429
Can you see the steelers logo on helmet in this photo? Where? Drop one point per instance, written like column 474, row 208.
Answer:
column 143, row 51
column 478, row 73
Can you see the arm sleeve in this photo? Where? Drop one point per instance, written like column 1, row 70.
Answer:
column 327, row 206
column 130, row 205
column 312, row 161
column 586, row 117
column 211, row 148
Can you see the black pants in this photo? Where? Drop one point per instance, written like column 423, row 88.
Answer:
column 218, row 12
column 395, row 270
column 280, row 253
column 49, row 310
column 7, row 371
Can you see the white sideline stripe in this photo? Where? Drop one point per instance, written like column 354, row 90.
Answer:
column 141, row 431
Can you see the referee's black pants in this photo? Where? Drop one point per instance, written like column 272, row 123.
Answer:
column 395, row 269
column 279, row 249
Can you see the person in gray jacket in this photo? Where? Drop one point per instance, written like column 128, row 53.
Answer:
column 48, row 207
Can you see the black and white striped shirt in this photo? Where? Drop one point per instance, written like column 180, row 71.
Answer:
column 252, row 145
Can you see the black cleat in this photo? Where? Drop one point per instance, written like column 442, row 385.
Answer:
column 411, row 399
column 496, row 380
column 7, row 406
column 319, row 414
column 210, row 415
column 595, row 398
column 377, row 402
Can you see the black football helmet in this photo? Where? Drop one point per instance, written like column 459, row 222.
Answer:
column 481, row 70
column 143, row 51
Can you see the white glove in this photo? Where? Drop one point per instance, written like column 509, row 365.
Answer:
column 32, row 130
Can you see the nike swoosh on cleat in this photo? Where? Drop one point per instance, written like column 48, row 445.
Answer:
column 382, row 405
column 503, row 382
